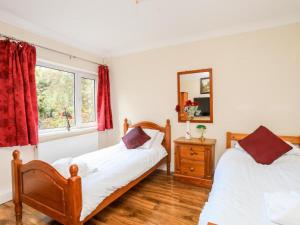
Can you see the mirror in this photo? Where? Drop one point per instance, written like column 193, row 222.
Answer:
column 196, row 87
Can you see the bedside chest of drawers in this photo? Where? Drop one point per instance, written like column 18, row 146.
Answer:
column 195, row 160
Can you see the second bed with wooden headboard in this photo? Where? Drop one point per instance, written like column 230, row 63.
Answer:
column 75, row 200
column 240, row 184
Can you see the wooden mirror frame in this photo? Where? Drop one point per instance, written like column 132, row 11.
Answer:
column 209, row 70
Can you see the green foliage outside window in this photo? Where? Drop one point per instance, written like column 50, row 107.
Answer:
column 87, row 100
column 55, row 92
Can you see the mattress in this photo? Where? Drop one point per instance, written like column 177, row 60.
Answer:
column 116, row 167
column 237, row 196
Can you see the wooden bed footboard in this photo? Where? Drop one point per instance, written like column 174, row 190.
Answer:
column 40, row 186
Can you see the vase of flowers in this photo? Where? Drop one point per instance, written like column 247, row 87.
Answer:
column 68, row 117
column 190, row 108
column 202, row 129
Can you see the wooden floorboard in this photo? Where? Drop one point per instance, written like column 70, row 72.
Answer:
column 158, row 200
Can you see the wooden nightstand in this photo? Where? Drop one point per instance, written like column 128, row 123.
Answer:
column 195, row 160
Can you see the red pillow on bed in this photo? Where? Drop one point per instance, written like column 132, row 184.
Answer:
column 264, row 146
column 135, row 138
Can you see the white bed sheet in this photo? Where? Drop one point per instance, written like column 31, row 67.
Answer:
column 237, row 196
column 117, row 166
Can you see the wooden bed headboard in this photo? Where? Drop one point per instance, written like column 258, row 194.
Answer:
column 239, row 136
column 150, row 125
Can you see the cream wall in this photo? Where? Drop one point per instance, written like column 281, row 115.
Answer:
column 27, row 153
column 256, row 81
column 48, row 55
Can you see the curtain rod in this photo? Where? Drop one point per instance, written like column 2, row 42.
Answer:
column 52, row 50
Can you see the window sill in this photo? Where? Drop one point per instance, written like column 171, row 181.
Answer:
column 60, row 134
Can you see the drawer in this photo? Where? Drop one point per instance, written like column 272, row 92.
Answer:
column 192, row 152
column 192, row 168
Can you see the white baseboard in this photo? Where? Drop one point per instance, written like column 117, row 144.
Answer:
column 5, row 196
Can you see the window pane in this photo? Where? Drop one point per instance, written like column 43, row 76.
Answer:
column 55, row 91
column 87, row 100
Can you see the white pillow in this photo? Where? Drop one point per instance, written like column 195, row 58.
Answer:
column 151, row 133
column 237, row 145
column 83, row 168
column 283, row 207
column 159, row 139
column 294, row 151
column 63, row 166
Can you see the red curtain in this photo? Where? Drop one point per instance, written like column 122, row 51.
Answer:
column 18, row 100
column 104, row 114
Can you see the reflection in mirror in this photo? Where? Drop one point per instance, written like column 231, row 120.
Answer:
column 196, row 86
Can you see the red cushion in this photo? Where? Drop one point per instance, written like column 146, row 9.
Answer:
column 135, row 138
column 264, row 146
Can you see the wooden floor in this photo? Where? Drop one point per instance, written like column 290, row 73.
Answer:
column 157, row 200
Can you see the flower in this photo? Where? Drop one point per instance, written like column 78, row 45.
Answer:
column 190, row 108
column 66, row 114
column 188, row 103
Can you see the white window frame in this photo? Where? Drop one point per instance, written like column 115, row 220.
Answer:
column 78, row 74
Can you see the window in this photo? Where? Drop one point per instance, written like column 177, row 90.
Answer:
column 87, row 100
column 62, row 92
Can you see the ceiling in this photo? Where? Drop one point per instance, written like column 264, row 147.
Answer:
column 115, row 27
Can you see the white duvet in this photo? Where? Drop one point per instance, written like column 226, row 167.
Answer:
column 116, row 167
column 237, row 196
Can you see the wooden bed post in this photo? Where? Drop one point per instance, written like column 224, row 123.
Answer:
column 168, row 146
column 75, row 197
column 125, row 126
column 16, row 185
column 228, row 140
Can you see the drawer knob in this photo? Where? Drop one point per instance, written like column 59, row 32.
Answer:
column 193, row 153
column 192, row 169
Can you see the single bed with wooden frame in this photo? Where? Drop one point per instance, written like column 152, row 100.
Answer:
column 40, row 186
column 233, row 137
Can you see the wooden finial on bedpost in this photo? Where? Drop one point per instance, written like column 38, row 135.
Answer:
column 16, row 155
column 16, row 164
column 73, row 170
column 168, row 145
column 125, row 126
column 74, row 197
column 168, row 123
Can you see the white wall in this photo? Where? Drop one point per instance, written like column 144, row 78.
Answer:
column 27, row 153
column 256, row 78
column 50, row 151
